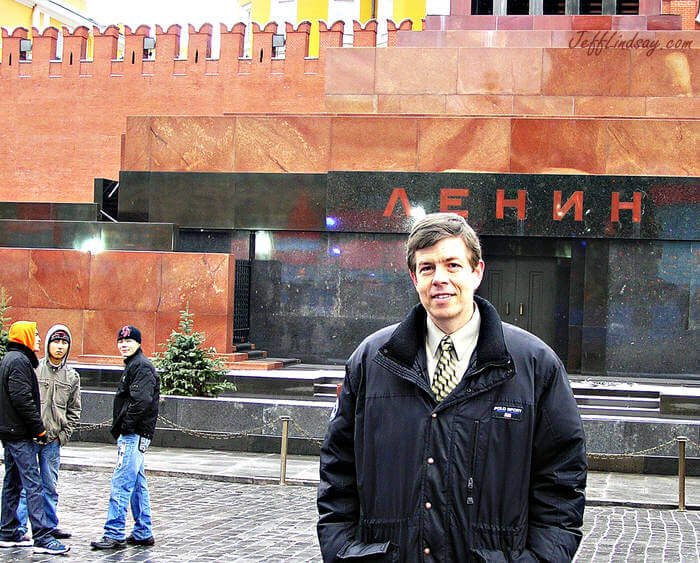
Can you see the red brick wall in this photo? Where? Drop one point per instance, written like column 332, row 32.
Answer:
column 95, row 294
column 61, row 123
column 318, row 143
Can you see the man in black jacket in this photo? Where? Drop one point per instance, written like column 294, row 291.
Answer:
column 456, row 437
column 20, row 424
column 135, row 412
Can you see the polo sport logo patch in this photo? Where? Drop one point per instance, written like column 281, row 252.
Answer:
column 507, row 413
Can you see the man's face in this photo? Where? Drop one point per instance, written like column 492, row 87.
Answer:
column 37, row 341
column 446, row 282
column 57, row 350
column 127, row 347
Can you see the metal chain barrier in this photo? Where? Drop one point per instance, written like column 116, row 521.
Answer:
column 104, row 424
column 306, row 435
column 694, row 443
column 212, row 435
column 634, row 454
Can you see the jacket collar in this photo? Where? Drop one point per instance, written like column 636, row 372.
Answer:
column 133, row 356
column 31, row 356
column 409, row 336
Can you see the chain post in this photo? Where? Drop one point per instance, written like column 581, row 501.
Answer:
column 283, row 449
column 681, row 471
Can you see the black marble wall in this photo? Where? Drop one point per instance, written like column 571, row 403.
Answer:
column 653, row 308
column 315, row 296
column 75, row 234
column 328, row 263
column 390, row 202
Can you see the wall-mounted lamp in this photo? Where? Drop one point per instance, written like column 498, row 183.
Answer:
column 278, row 40
column 149, row 43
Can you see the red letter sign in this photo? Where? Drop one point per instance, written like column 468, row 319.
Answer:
column 399, row 194
column 453, row 196
column 635, row 205
column 575, row 200
column 501, row 202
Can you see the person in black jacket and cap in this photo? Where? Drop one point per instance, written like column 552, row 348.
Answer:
column 455, row 437
column 20, row 425
column 135, row 412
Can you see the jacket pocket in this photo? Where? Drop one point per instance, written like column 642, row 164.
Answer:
column 497, row 556
column 360, row 551
column 61, row 393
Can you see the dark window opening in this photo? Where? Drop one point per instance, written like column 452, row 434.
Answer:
column 591, row 7
column 627, row 7
column 554, row 7
column 482, row 7
column 518, row 7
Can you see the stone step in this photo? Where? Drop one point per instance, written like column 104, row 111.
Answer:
column 96, row 360
column 258, row 364
column 619, row 412
column 612, row 401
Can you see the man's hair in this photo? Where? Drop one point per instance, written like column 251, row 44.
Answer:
column 434, row 227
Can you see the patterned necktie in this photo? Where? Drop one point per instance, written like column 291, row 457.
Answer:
column 446, row 377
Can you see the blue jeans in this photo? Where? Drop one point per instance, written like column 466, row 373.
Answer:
column 22, row 471
column 49, row 462
column 129, row 488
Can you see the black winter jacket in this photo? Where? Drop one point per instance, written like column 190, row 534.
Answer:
column 135, row 409
column 20, row 403
column 495, row 472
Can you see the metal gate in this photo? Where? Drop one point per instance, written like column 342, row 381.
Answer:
column 241, row 302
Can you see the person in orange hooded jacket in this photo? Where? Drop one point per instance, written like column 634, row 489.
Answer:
column 20, row 425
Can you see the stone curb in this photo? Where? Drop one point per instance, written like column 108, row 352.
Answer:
column 253, row 480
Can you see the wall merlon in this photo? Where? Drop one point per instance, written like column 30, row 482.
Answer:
column 74, row 50
column 49, row 32
column 337, row 26
column 172, row 30
column 364, row 36
column 297, row 47
column 109, row 31
column 269, row 27
column 393, row 31
column 80, row 31
column 198, row 48
column 18, row 33
column 140, row 31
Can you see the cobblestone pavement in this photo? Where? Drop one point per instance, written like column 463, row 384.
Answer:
column 198, row 520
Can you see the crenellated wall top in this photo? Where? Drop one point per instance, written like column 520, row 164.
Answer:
column 44, row 60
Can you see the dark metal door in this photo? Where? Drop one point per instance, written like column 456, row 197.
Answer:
column 241, row 302
column 523, row 291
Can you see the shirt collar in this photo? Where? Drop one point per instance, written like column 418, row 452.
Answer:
column 461, row 338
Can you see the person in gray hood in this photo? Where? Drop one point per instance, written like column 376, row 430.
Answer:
column 59, row 387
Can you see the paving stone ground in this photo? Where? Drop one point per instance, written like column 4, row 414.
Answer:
column 199, row 520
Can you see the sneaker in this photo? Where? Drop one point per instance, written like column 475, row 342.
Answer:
column 145, row 541
column 21, row 541
column 107, row 543
column 60, row 534
column 52, row 546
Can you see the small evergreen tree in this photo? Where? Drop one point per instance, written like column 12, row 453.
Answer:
column 186, row 368
column 4, row 320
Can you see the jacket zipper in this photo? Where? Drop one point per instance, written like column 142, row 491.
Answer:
column 470, row 481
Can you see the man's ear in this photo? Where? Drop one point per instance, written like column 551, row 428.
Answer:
column 414, row 279
column 479, row 272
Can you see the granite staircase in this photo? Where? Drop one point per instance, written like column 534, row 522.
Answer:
column 616, row 400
